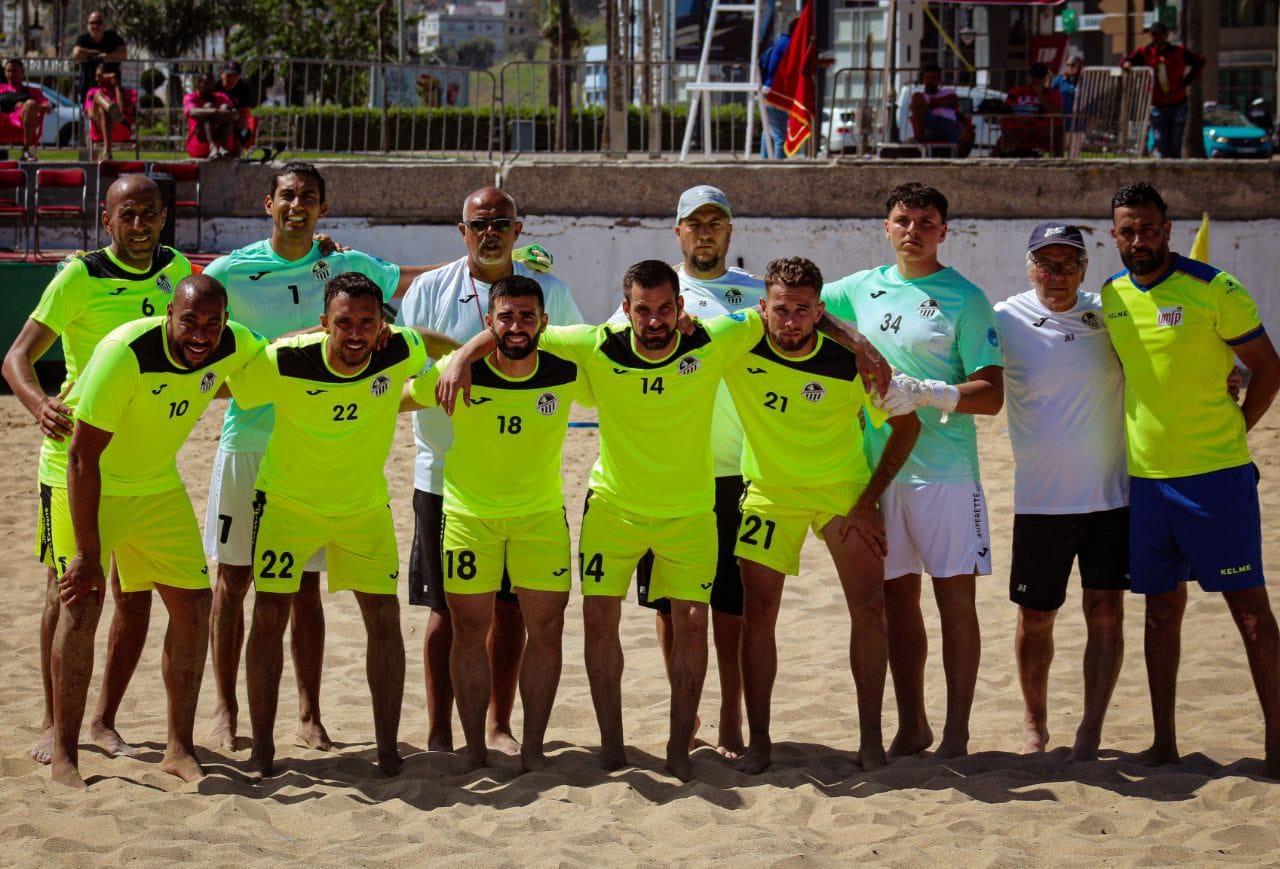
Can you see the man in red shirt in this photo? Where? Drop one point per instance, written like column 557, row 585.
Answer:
column 1175, row 68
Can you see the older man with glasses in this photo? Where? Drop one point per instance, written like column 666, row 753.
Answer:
column 94, row 46
column 1064, row 390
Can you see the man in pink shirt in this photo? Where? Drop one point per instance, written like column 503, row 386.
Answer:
column 22, row 109
column 210, row 120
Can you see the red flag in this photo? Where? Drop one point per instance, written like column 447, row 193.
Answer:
column 793, row 88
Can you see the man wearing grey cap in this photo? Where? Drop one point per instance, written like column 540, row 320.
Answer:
column 1064, row 391
column 704, row 225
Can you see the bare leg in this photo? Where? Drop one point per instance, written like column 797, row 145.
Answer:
column 688, row 672
column 1103, row 656
column 264, row 662
column 862, row 576
column 1033, row 648
column 908, row 651
column 385, row 671
column 540, row 675
column 506, row 648
column 666, row 637
column 226, row 634
column 472, row 618
column 306, row 634
column 1251, row 610
column 71, row 664
column 1163, row 648
column 435, row 661
column 762, row 599
column 31, row 115
column 961, row 653
column 125, row 641
column 726, row 632
column 42, row 751
column 601, row 616
column 186, row 645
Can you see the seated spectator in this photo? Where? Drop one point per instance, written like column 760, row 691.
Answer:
column 22, row 109
column 1024, row 134
column 211, row 117
column 935, row 113
column 111, row 108
column 242, row 96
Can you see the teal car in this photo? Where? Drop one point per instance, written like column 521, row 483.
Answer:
column 1228, row 134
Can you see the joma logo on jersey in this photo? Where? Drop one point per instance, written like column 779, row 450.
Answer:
column 733, row 297
column 813, row 391
column 162, row 281
column 1169, row 316
column 380, row 385
column 928, row 309
column 320, row 271
column 1091, row 320
column 689, row 364
column 207, row 382
column 547, row 403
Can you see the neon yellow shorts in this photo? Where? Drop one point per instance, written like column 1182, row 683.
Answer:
column 776, row 519
column 613, row 540
column 361, row 548
column 155, row 538
column 533, row 549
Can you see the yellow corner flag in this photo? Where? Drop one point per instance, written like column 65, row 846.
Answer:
column 1200, row 245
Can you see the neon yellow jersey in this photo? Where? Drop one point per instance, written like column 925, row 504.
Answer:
column 1174, row 339
column 655, row 416
column 505, row 458
column 332, row 431
column 133, row 388
column 88, row 297
column 801, row 416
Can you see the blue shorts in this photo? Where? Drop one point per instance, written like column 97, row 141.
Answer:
column 1207, row 526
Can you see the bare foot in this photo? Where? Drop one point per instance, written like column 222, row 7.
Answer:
column 1271, row 766
column 612, row 758
column 1085, row 749
column 312, row 735
column 757, row 759
column 693, row 737
column 66, row 774
column 183, row 765
column 440, row 739
column 110, row 740
column 390, row 762
column 224, row 729
column 1158, row 755
column 871, row 755
column 532, row 760
column 1035, row 737
column 503, row 742
column 953, row 746
column 476, row 758
column 42, row 751
column 909, row 742
column 261, row 764
column 679, row 765
column 729, row 739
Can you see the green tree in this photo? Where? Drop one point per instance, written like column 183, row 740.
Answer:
column 342, row 29
column 170, row 28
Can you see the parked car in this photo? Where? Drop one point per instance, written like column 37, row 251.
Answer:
column 62, row 122
column 1227, row 134
column 986, row 128
column 843, row 138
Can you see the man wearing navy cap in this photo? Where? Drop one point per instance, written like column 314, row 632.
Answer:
column 1064, row 392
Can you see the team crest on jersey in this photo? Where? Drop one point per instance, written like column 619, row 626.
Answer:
column 813, row 391
column 1169, row 316
column 733, row 297
column 1091, row 320
column 380, row 385
column 547, row 403
column 207, row 382
column 928, row 309
column 163, row 282
column 689, row 364
column 321, row 271
column 993, row 337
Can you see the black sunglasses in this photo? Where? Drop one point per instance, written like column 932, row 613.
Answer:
column 498, row 224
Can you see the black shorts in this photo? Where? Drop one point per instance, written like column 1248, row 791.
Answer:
column 426, row 576
column 1044, row 548
column 726, row 591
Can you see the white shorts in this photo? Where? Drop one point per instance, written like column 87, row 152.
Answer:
column 228, row 521
column 936, row 528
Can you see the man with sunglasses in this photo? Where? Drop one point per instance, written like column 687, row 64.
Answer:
column 93, row 46
column 1064, row 390
column 452, row 300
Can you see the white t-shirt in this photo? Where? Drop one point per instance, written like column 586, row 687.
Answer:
column 1064, row 391
column 732, row 291
column 450, row 301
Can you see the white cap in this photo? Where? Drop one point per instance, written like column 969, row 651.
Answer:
column 696, row 197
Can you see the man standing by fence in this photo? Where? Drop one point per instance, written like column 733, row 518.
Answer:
column 1175, row 67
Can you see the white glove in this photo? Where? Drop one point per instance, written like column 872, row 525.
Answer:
column 896, row 401
column 929, row 393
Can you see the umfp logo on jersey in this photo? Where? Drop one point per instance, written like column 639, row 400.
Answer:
column 813, row 391
column 207, row 382
column 380, row 385
column 163, row 282
column 928, row 309
column 689, row 364
column 547, row 403
column 320, row 271
column 1169, row 316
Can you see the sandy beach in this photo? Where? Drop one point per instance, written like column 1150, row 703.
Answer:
column 815, row 805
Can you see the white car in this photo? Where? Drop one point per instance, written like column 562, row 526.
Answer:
column 986, row 128
column 63, row 120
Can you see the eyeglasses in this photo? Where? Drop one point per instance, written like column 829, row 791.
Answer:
column 1049, row 267
column 97, row 22
column 498, row 224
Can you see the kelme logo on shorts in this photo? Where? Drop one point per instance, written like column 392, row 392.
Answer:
column 380, row 385
column 547, row 403
column 320, row 271
column 928, row 309
column 1091, row 320
column 163, row 282
column 1169, row 316
column 813, row 391
column 207, row 382
column 733, row 297
column 689, row 364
